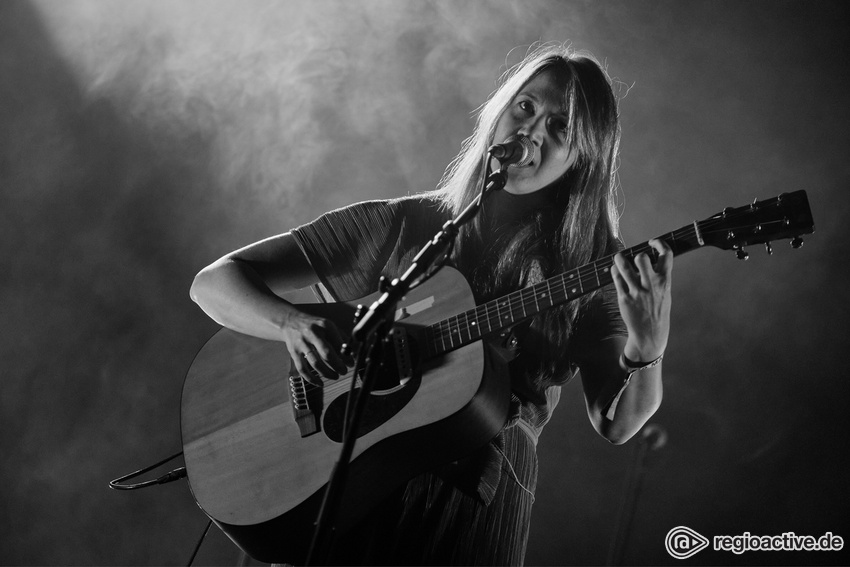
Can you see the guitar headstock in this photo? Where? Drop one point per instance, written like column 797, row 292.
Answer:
column 785, row 216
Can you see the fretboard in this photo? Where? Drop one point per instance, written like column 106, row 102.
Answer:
column 498, row 314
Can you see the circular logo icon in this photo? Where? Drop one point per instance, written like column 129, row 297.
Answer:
column 683, row 542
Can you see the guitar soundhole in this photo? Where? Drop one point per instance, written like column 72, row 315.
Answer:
column 389, row 396
column 380, row 408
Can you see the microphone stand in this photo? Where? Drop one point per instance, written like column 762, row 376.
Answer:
column 652, row 438
column 370, row 332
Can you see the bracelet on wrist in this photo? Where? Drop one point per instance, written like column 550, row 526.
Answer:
column 631, row 366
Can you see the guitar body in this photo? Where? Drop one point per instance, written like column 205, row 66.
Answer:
column 254, row 472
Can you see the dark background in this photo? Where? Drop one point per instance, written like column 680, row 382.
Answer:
column 140, row 141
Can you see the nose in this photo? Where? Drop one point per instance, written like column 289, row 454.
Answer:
column 536, row 128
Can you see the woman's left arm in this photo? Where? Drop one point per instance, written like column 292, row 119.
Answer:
column 643, row 295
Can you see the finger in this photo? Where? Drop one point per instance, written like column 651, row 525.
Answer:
column 336, row 342
column 664, row 264
column 312, row 377
column 619, row 283
column 328, row 358
column 303, row 369
column 334, row 336
column 319, row 365
column 626, row 272
column 645, row 269
column 325, row 339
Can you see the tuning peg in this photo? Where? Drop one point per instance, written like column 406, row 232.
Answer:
column 742, row 254
column 768, row 248
column 797, row 242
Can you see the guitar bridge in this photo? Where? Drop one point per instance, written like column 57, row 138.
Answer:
column 306, row 419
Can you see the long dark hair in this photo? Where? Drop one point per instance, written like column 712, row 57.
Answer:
column 582, row 224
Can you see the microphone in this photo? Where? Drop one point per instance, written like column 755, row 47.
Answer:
column 516, row 150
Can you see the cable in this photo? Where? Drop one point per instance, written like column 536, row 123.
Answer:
column 176, row 474
column 198, row 546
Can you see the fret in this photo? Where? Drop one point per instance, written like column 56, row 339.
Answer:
column 606, row 272
column 554, row 291
column 536, row 303
column 473, row 326
column 589, row 283
column 522, row 304
column 573, row 291
column 487, row 316
column 540, row 294
column 465, row 325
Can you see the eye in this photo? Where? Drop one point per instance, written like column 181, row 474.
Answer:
column 526, row 106
column 559, row 126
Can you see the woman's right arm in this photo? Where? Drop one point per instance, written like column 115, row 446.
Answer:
column 240, row 292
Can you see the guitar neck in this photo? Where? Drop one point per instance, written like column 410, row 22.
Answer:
column 498, row 314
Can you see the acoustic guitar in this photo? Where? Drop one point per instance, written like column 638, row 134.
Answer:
column 260, row 442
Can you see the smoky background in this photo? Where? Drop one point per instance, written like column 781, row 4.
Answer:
column 140, row 141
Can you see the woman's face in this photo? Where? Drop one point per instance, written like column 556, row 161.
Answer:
column 538, row 112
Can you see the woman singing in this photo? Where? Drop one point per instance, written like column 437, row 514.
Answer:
column 556, row 213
